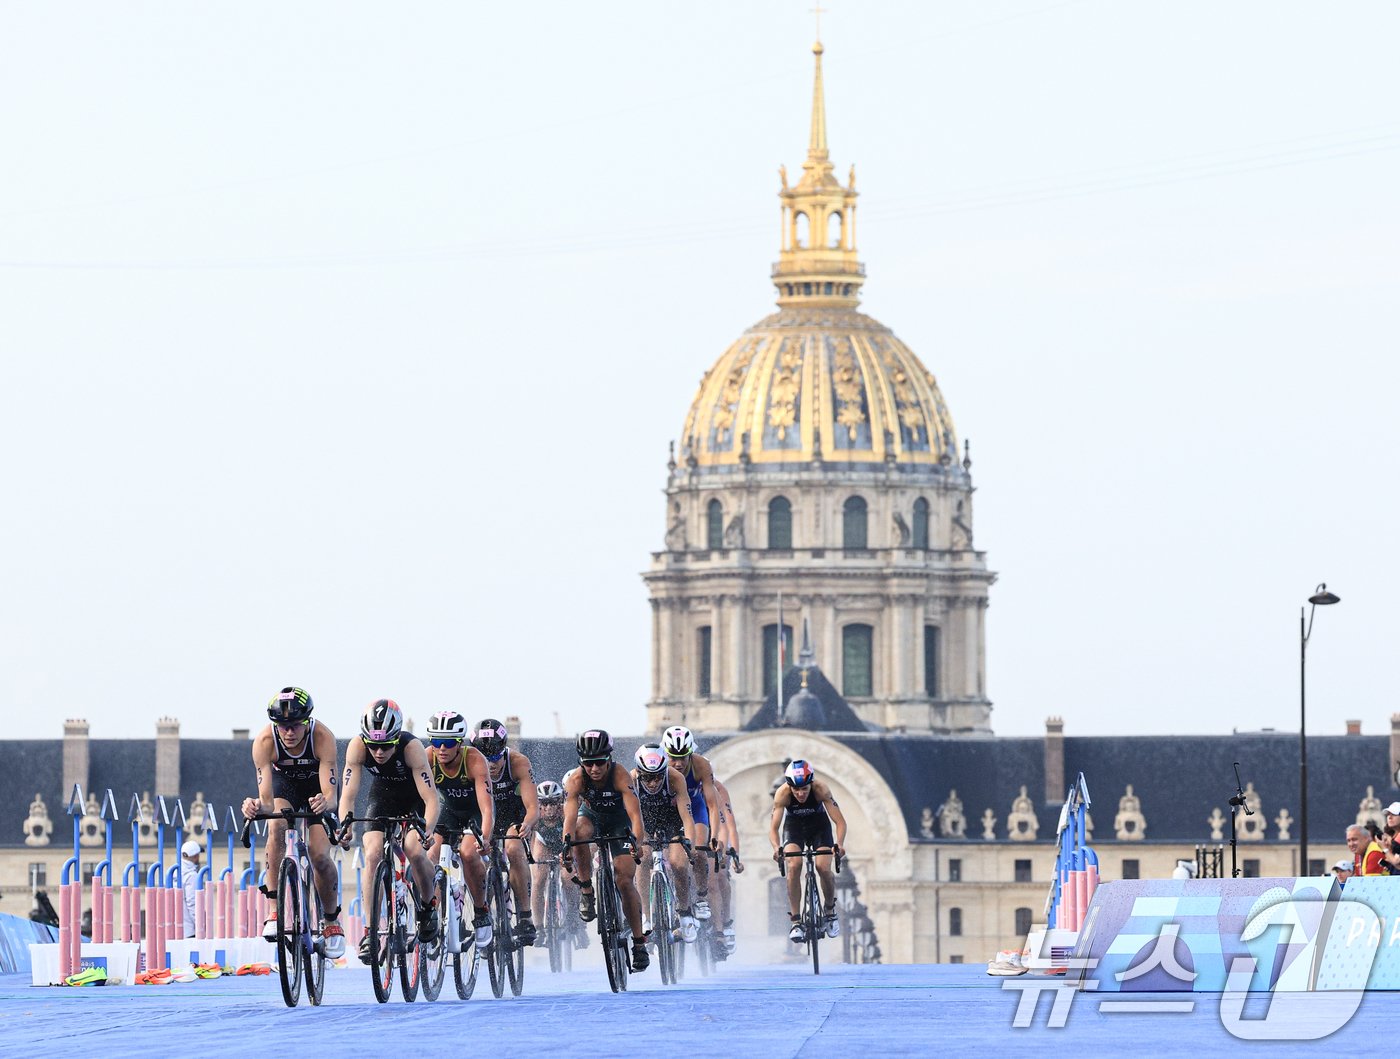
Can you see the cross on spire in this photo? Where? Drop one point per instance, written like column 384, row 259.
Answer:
column 819, row 11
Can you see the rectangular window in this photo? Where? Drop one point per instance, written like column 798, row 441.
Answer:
column 38, row 875
column 857, row 651
column 1023, row 922
column 1316, row 867
column 1023, row 871
column 955, row 870
column 955, row 921
column 931, row 638
column 1251, row 869
column 1130, row 869
column 702, row 661
column 770, row 656
column 955, row 959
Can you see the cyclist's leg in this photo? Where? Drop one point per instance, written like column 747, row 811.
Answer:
column 625, row 872
column 372, row 844
column 473, row 869
column 700, row 864
column 538, row 874
column 519, row 876
column 319, row 848
column 583, row 864
column 794, row 879
column 680, row 873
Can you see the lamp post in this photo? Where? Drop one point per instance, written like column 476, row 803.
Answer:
column 1321, row 597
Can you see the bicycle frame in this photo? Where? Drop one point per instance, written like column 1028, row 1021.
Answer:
column 395, row 942
column 810, row 907
column 613, row 929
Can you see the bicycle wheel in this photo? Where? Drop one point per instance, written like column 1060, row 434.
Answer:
column 499, row 952
column 380, row 930
column 315, row 956
column 704, row 946
column 554, row 932
column 466, row 963
column 434, row 953
column 812, row 913
column 289, row 940
column 613, row 958
column 515, row 954
column 410, row 951
column 661, row 927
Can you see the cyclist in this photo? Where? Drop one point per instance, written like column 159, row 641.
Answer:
column 401, row 783
column 512, row 786
column 679, row 745
column 805, row 809
column 459, row 772
column 548, row 844
column 666, row 814
column 295, row 761
column 727, row 835
column 599, row 800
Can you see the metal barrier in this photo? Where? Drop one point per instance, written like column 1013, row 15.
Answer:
column 1076, row 864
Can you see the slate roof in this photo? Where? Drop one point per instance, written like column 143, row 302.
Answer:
column 1180, row 779
column 830, row 712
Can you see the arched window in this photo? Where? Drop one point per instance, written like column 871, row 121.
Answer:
column 853, row 522
column 955, row 922
column 833, row 231
column 1023, row 922
column 931, row 661
column 780, row 524
column 770, row 656
column 714, row 526
column 920, row 523
column 801, row 225
column 857, row 643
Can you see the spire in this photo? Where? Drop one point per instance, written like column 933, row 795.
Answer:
column 817, row 265
column 816, row 149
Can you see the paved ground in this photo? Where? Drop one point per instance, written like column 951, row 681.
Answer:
column 768, row 1011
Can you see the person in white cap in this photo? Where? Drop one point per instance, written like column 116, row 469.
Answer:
column 189, row 878
column 1343, row 869
column 1390, row 840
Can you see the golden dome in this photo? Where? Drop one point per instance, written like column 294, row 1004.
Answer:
column 818, row 380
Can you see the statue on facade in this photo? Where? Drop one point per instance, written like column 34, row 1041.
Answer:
column 1250, row 827
column 951, row 821
column 1369, row 811
column 926, row 822
column 901, row 530
column 675, row 532
column 1130, row 825
column 989, row 825
column 37, row 826
column 1022, row 825
column 734, row 532
column 92, row 829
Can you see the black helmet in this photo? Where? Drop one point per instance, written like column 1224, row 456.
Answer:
column 594, row 745
column 490, row 737
column 289, row 705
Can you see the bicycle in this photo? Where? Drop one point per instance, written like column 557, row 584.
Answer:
column 393, row 909
column 613, row 930
column 813, row 922
column 300, row 948
column 557, row 927
column 506, row 958
column 457, row 937
column 665, row 914
column 705, row 937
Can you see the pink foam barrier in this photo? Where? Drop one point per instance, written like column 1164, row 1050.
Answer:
column 155, row 920
column 75, row 914
column 246, row 911
column 108, row 914
column 354, row 930
column 1093, row 876
column 65, row 932
column 174, row 913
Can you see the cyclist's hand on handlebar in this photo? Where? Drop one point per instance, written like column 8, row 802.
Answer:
column 317, row 803
column 714, row 844
column 836, row 848
column 778, row 854
column 250, row 808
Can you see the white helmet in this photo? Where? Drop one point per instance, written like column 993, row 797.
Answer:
column 651, row 761
column 381, row 722
column 677, row 741
column 448, row 724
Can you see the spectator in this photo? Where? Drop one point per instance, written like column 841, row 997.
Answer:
column 1343, row 869
column 189, row 879
column 1365, row 852
column 1390, row 848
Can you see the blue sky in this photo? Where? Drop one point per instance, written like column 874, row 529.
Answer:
column 342, row 347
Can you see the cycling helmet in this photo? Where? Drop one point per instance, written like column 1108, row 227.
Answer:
column 651, row 761
column 289, row 705
column 550, row 792
column 799, row 773
column 490, row 738
column 381, row 722
column 677, row 741
column 593, row 745
column 448, row 724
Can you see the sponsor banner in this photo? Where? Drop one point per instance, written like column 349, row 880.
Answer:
column 1184, row 935
column 1363, row 952
column 16, row 935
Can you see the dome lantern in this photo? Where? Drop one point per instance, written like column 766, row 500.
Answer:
column 817, row 265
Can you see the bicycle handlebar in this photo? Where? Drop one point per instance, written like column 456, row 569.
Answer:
column 384, row 824
column 326, row 820
column 808, row 852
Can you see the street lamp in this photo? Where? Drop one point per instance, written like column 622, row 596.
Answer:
column 1319, row 598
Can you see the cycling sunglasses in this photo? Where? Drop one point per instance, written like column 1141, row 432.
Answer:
column 444, row 744
column 586, row 761
column 381, row 745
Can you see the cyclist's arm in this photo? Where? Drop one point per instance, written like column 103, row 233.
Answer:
column 683, row 804
column 324, row 745
column 776, row 822
column 629, row 801
column 528, row 794
column 570, row 810
column 350, row 787
column 838, row 820
column 416, row 758
column 262, row 764
column 731, row 825
column 707, row 789
column 480, row 773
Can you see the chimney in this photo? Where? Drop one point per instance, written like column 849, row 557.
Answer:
column 168, row 757
column 1054, row 760
column 242, row 735
column 1394, row 761
column 513, row 727
column 1353, row 727
column 75, row 757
